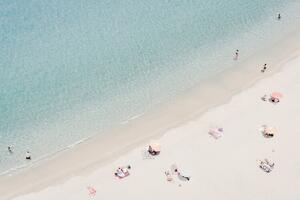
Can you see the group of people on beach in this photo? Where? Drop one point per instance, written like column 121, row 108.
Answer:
column 122, row 172
column 265, row 65
column 236, row 55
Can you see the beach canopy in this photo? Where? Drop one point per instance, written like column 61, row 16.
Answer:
column 276, row 95
column 155, row 146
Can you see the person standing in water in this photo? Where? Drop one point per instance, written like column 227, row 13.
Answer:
column 278, row 16
column 10, row 149
column 236, row 54
column 264, row 68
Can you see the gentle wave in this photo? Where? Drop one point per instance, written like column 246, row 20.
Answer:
column 132, row 118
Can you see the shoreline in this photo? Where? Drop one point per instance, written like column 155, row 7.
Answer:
column 169, row 117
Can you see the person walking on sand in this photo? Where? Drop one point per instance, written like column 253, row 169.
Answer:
column 278, row 16
column 236, row 54
column 264, row 68
column 28, row 156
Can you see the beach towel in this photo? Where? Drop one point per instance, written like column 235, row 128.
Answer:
column 216, row 132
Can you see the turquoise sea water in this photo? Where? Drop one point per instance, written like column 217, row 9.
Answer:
column 70, row 69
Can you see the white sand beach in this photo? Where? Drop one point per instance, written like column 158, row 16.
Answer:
column 226, row 168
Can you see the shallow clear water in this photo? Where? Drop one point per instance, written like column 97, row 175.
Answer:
column 72, row 69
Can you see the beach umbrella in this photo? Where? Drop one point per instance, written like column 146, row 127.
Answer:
column 270, row 130
column 155, row 146
column 276, row 95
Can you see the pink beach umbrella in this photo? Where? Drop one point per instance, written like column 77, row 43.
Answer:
column 270, row 130
column 155, row 146
column 276, row 95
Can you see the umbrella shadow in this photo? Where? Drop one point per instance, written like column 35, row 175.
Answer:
column 146, row 155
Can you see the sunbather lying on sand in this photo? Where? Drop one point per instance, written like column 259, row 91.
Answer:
column 176, row 171
column 183, row 178
column 122, row 172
